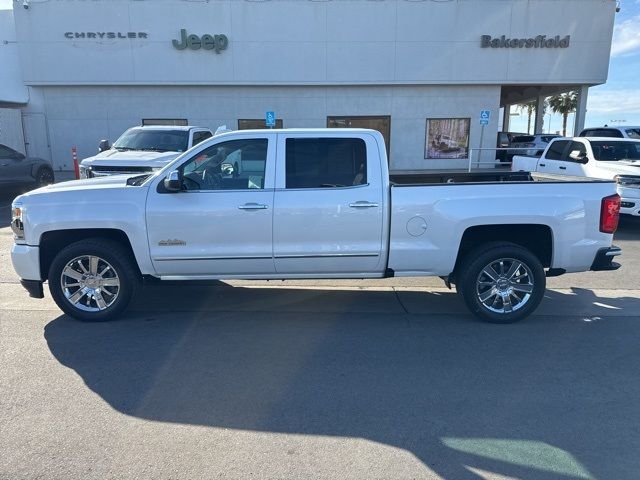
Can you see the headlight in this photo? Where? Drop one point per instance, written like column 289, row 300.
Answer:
column 17, row 223
column 627, row 181
column 85, row 172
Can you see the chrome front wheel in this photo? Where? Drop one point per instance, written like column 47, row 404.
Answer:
column 90, row 283
column 94, row 279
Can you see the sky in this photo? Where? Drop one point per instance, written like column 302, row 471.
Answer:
column 615, row 103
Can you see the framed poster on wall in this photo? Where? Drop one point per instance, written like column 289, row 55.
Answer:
column 447, row 138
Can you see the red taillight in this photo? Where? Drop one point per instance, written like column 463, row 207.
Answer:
column 610, row 214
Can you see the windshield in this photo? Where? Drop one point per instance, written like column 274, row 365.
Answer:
column 154, row 140
column 612, row 151
column 633, row 133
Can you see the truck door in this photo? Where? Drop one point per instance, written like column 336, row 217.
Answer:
column 328, row 205
column 573, row 163
column 553, row 159
column 221, row 224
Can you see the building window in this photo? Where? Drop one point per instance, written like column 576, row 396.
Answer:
column 447, row 138
column 175, row 122
column 380, row 123
column 256, row 124
column 325, row 162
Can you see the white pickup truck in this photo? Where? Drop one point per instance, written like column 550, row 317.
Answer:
column 615, row 159
column 315, row 203
column 142, row 150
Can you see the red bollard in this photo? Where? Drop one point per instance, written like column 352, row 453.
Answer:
column 76, row 167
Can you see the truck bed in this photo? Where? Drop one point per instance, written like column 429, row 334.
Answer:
column 462, row 176
column 480, row 176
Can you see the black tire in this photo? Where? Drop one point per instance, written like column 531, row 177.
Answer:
column 44, row 176
column 474, row 283
column 122, row 267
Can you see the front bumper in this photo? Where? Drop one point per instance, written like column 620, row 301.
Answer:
column 26, row 261
column 604, row 259
column 34, row 287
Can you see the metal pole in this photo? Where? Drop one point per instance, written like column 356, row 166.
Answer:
column 481, row 142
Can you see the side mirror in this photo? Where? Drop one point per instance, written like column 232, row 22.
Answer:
column 103, row 146
column 579, row 157
column 173, row 183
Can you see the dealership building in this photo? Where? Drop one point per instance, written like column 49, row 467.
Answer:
column 436, row 77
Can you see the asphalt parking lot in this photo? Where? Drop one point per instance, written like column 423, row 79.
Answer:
column 350, row 379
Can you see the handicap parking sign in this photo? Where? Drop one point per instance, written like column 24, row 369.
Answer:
column 271, row 119
column 485, row 116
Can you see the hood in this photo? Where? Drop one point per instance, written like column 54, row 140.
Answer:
column 88, row 185
column 620, row 167
column 130, row 158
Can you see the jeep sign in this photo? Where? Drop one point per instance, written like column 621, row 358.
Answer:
column 206, row 42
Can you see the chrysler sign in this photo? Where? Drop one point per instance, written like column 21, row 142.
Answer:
column 541, row 41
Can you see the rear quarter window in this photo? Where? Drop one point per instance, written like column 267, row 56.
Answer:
column 524, row 139
column 602, row 132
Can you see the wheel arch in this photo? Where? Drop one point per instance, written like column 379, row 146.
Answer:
column 538, row 238
column 53, row 241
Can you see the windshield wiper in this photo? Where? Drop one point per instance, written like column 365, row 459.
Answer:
column 122, row 149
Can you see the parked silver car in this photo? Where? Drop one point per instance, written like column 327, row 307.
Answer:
column 536, row 144
column 19, row 172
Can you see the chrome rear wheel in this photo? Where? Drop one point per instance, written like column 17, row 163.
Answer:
column 501, row 282
column 505, row 285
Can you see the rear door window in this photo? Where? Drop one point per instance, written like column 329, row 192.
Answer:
column 200, row 137
column 633, row 133
column 557, row 149
column 325, row 162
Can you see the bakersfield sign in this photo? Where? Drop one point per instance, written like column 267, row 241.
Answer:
column 541, row 41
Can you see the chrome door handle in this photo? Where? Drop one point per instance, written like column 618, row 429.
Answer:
column 363, row 205
column 253, row 206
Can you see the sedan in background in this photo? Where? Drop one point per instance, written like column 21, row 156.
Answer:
column 18, row 172
column 535, row 144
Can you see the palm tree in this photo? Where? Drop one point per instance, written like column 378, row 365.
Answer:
column 530, row 107
column 565, row 103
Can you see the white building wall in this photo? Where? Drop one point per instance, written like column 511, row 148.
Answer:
column 11, row 129
column 82, row 116
column 315, row 42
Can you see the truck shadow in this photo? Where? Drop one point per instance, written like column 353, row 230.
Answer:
column 547, row 398
column 628, row 228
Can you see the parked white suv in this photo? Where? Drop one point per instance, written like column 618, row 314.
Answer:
column 614, row 132
column 142, row 150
